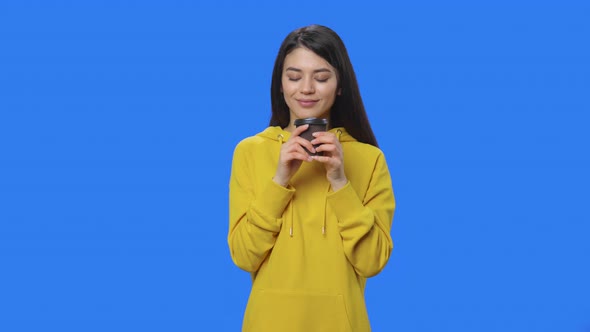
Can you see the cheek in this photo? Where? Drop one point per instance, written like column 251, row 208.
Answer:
column 330, row 91
column 288, row 87
column 287, row 90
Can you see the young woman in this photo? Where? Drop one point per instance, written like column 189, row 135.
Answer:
column 311, row 229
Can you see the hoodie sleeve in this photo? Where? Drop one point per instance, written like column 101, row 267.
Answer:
column 365, row 224
column 255, row 216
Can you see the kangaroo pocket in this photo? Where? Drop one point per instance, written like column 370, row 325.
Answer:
column 296, row 311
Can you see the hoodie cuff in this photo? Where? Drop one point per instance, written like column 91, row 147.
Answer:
column 348, row 207
column 273, row 200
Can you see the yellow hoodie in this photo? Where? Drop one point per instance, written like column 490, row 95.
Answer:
column 309, row 249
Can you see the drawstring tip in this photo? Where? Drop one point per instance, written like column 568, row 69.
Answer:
column 291, row 231
column 323, row 230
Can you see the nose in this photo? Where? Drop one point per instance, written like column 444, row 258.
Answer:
column 308, row 87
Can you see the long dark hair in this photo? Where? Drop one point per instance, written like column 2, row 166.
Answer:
column 348, row 110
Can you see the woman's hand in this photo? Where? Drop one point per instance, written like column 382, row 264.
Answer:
column 332, row 159
column 292, row 155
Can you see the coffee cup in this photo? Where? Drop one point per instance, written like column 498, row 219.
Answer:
column 315, row 125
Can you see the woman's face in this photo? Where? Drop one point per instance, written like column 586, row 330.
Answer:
column 309, row 85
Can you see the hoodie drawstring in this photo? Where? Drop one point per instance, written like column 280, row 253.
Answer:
column 338, row 135
column 281, row 140
column 325, row 210
column 291, row 221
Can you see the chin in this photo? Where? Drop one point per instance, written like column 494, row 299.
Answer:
column 310, row 114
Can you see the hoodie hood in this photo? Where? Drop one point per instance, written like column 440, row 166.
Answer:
column 278, row 134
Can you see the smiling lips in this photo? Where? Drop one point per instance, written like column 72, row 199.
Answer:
column 307, row 102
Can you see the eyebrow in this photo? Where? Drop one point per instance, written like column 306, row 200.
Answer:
column 321, row 70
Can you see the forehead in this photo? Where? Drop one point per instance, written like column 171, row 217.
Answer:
column 305, row 59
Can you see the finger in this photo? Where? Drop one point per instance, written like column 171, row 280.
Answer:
column 298, row 143
column 323, row 133
column 299, row 130
column 301, row 150
column 326, row 147
column 324, row 138
column 321, row 159
column 303, row 156
column 295, row 149
column 304, row 143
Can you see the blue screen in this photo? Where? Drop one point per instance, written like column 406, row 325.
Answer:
column 118, row 122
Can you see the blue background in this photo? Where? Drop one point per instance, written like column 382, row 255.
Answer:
column 118, row 122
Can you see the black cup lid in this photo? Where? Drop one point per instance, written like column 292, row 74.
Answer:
column 310, row 121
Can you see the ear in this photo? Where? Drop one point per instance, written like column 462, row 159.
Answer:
column 337, row 93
